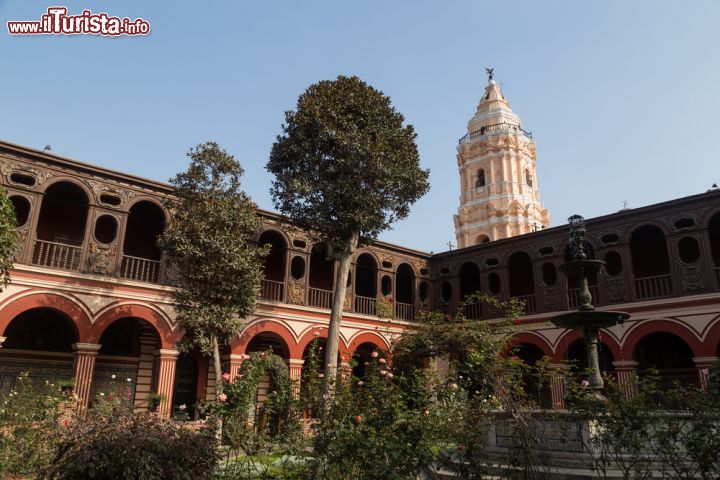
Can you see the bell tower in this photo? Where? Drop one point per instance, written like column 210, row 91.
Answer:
column 498, row 183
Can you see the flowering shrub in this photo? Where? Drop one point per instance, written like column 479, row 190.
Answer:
column 29, row 417
column 112, row 441
column 247, row 428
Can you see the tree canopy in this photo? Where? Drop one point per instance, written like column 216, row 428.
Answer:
column 346, row 167
column 210, row 247
column 345, row 161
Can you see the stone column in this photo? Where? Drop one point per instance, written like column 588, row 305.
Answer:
column 166, row 378
column 626, row 371
column 295, row 366
column 703, row 365
column 83, row 370
column 557, row 385
column 235, row 361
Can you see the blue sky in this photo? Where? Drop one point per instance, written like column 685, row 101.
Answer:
column 621, row 97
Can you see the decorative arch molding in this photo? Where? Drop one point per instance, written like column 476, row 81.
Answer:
column 642, row 329
column 169, row 333
column 633, row 228
column 65, row 304
column 569, row 337
column 322, row 332
column 71, row 180
column 150, row 199
column 362, row 251
column 367, row 337
column 272, row 228
column 705, row 220
column 533, row 339
column 711, row 339
column 241, row 341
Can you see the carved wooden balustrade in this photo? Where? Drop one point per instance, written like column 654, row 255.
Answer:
column 56, row 255
column 140, row 269
column 653, row 287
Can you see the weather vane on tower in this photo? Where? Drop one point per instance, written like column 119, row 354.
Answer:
column 490, row 73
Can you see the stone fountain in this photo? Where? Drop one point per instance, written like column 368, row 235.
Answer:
column 586, row 318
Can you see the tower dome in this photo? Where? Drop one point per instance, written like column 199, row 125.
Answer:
column 497, row 164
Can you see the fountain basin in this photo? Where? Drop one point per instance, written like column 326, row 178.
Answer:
column 589, row 319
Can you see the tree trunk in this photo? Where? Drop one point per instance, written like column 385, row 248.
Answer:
column 331, row 347
column 217, row 367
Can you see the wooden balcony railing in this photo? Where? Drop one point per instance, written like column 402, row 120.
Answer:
column 653, row 287
column 272, row 290
column 140, row 269
column 405, row 311
column 365, row 305
column 530, row 303
column 473, row 311
column 573, row 296
column 320, row 298
column 56, row 255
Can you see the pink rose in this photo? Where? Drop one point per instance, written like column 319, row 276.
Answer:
column 374, row 354
column 585, row 383
column 321, row 375
column 382, row 360
column 222, row 397
column 361, row 383
column 453, row 386
column 226, row 376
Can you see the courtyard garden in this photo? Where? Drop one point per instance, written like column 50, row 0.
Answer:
column 450, row 398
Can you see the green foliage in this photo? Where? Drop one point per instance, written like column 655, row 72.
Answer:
column 245, row 428
column 116, row 442
column 345, row 163
column 380, row 425
column 29, row 417
column 672, row 431
column 209, row 245
column 8, row 237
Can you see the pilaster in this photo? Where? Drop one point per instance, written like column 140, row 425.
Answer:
column 83, row 370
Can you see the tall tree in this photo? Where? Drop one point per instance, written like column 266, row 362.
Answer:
column 346, row 168
column 209, row 244
column 8, row 237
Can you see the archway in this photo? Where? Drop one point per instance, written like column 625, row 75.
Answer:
column 651, row 263
column 531, row 355
column 714, row 234
column 670, row 355
column 322, row 271
column 126, row 361
column 470, row 284
column 363, row 356
column 405, row 292
column 273, row 283
column 522, row 279
column 61, row 227
column 365, row 284
column 38, row 341
column 141, row 254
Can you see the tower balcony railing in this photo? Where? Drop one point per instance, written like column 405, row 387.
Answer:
column 405, row 311
column 56, row 255
column 496, row 128
column 365, row 305
column 319, row 298
column 653, row 287
column 573, row 296
column 140, row 269
column 272, row 290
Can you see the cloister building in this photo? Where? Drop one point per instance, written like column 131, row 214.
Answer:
column 90, row 299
